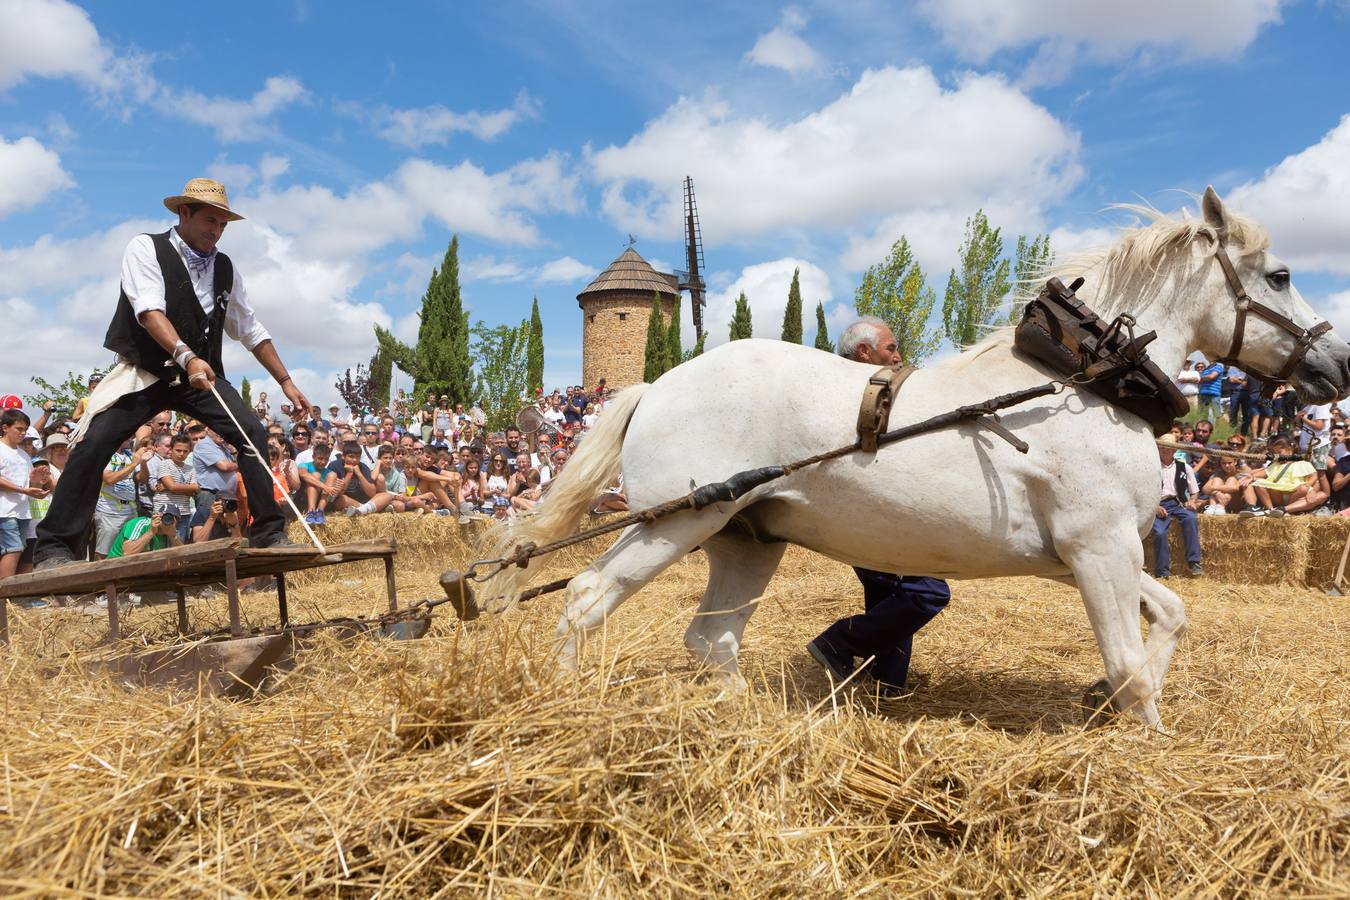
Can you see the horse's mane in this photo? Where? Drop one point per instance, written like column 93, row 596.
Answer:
column 1140, row 252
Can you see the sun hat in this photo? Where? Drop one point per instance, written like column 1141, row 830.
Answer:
column 202, row 190
column 53, row 441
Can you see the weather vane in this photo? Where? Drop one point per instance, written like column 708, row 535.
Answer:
column 631, row 240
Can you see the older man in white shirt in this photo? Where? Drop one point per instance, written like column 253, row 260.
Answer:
column 179, row 298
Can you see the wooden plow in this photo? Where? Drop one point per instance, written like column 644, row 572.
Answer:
column 233, row 661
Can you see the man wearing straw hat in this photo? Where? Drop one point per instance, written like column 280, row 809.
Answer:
column 179, row 297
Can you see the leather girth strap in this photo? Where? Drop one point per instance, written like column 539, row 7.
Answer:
column 875, row 412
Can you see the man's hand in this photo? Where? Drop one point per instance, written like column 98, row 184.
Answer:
column 156, row 521
column 217, row 509
column 49, row 406
column 35, row 492
column 200, row 374
column 297, row 397
column 1161, row 513
column 144, row 455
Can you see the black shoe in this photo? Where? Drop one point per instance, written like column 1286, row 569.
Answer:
column 837, row 666
column 55, row 561
column 281, row 542
column 914, row 683
column 1196, row 571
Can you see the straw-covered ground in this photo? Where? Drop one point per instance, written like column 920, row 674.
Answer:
column 465, row 763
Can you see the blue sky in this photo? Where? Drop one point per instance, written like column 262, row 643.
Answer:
column 358, row 138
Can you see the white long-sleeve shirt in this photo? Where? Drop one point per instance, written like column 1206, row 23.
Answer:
column 143, row 283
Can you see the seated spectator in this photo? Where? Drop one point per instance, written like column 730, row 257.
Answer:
column 1179, row 498
column 143, row 533
column 1228, row 489
column 222, row 521
column 427, row 478
column 318, row 489
column 1204, row 465
column 494, row 486
column 529, row 496
column 360, row 487
column 520, row 472
column 1340, row 484
column 1286, row 484
column 439, row 440
column 470, row 488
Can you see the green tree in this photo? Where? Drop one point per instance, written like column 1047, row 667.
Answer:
column 740, row 319
column 381, row 375
column 896, row 291
column 656, row 354
column 440, row 362
column 246, row 393
column 792, row 316
column 1032, row 260
column 696, row 350
column 501, row 353
column 974, row 296
column 63, row 395
column 674, row 352
column 354, row 388
column 823, row 341
column 535, row 352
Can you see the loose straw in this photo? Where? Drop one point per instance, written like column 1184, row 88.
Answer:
column 273, row 475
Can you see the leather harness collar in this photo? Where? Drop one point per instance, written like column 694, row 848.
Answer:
column 1303, row 337
column 882, row 389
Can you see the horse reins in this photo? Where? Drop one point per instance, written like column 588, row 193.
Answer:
column 1303, row 337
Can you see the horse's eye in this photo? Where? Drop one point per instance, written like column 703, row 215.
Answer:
column 1278, row 280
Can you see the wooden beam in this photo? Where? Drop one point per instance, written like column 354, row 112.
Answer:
column 83, row 578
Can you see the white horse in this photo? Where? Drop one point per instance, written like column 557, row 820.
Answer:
column 954, row 503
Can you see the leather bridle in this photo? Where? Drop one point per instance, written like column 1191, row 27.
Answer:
column 1303, row 337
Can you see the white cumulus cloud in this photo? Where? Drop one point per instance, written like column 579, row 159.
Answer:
column 29, row 172
column 1204, row 28
column 564, row 270
column 784, row 48
column 415, row 128
column 766, row 286
column 876, row 151
column 232, row 119
column 1304, row 201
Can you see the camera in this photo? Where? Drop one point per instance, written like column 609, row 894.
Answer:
column 229, row 506
column 169, row 515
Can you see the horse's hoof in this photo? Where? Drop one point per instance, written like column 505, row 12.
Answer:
column 1097, row 708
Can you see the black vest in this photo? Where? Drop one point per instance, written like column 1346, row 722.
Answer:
column 202, row 333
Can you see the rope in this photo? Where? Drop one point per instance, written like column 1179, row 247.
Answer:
column 273, row 475
column 1195, row 448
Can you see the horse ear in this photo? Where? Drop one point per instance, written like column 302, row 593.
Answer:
column 1214, row 213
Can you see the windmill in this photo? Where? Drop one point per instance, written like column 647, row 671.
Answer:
column 691, row 279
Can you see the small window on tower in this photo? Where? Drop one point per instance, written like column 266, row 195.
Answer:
column 591, row 317
column 623, row 316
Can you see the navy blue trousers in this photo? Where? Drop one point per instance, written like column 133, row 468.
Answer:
column 896, row 607
column 1190, row 533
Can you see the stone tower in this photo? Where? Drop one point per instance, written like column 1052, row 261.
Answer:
column 616, row 306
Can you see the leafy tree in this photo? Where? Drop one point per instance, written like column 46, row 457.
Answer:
column 896, row 291
column 974, row 296
column 501, row 353
column 535, row 351
column 246, row 392
column 65, row 394
column 381, row 375
column 696, row 350
column 440, row 362
column 1033, row 258
column 674, row 353
column 823, row 341
column 354, row 388
column 656, row 355
column 792, row 316
column 740, row 319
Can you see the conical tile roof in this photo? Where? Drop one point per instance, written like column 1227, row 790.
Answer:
column 630, row 272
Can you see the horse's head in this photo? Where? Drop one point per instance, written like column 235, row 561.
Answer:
column 1259, row 321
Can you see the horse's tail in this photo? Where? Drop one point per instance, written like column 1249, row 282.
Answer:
column 591, row 469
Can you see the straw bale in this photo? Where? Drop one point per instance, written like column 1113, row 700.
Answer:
column 465, row 763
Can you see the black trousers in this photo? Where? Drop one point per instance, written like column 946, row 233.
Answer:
column 896, row 606
column 64, row 531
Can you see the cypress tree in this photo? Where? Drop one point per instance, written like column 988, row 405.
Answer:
column 246, row 393
column 823, row 341
column 535, row 352
column 740, row 319
column 674, row 352
column 656, row 355
column 442, row 354
column 381, row 375
column 792, row 316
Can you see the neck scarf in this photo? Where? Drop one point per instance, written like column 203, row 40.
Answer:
column 197, row 263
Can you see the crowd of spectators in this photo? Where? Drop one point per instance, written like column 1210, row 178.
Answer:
column 177, row 481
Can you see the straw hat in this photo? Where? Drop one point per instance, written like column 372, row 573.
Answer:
column 202, row 190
